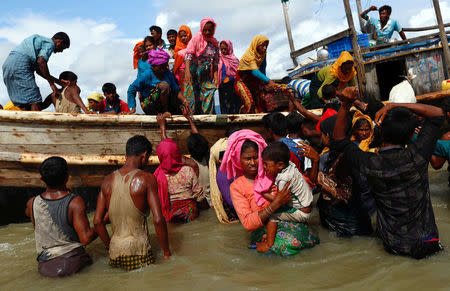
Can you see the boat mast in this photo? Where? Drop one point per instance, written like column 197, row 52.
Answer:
column 444, row 40
column 361, row 20
column 288, row 30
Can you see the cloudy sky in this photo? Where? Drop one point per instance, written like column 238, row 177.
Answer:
column 103, row 33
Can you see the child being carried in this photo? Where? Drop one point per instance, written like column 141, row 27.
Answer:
column 277, row 166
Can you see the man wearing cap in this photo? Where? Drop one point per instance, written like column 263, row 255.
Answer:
column 159, row 90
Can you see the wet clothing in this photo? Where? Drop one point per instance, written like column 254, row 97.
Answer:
column 130, row 235
column 398, row 178
column 132, row 262
column 443, row 149
column 66, row 264
column 203, row 178
column 63, row 105
column 183, row 211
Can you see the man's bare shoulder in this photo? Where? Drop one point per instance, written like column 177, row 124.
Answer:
column 145, row 177
column 107, row 183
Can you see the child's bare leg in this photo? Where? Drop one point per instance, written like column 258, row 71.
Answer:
column 271, row 233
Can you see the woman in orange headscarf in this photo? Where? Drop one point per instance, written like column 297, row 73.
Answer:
column 183, row 38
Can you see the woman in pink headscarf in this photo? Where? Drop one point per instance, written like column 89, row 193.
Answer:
column 230, row 103
column 202, row 59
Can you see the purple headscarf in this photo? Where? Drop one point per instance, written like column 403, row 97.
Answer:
column 157, row 57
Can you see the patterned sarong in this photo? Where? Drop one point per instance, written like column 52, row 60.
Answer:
column 18, row 75
column 133, row 262
column 183, row 211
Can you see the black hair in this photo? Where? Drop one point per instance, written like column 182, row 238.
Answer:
column 150, row 39
column 64, row 37
column 398, row 126
column 221, row 154
column 155, row 28
column 54, row 171
column 109, row 88
column 328, row 92
column 387, row 8
column 172, row 32
column 335, row 105
column 309, row 123
column 198, row 147
column 138, row 144
column 68, row 75
column 294, row 122
column 373, row 107
column 276, row 122
column 277, row 152
column 142, row 47
column 231, row 129
column 360, row 122
column 248, row 144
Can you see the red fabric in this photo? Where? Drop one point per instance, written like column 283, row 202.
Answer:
column 123, row 106
column 170, row 162
column 330, row 112
column 136, row 55
column 180, row 46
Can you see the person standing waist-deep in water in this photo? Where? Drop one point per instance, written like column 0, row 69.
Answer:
column 61, row 227
column 128, row 195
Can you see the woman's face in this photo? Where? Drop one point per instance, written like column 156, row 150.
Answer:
column 183, row 36
column 93, row 105
column 208, row 30
column 262, row 48
column 224, row 48
column 347, row 67
column 149, row 46
column 142, row 53
column 362, row 133
column 249, row 161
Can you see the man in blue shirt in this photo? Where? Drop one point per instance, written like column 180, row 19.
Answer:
column 159, row 90
column 385, row 26
column 31, row 55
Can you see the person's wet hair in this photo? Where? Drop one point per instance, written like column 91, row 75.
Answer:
column 151, row 39
column 198, row 147
column 138, row 144
column 64, row 37
column 109, row 88
column 398, row 126
column 276, row 122
column 172, row 32
column 277, row 152
column 328, row 92
column 156, row 28
column 68, row 76
column 249, row 144
column 385, row 7
column 294, row 122
column 231, row 129
column 54, row 171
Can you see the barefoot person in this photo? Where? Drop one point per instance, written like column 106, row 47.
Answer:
column 31, row 55
column 61, row 227
column 128, row 195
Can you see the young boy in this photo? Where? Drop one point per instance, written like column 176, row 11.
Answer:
column 69, row 101
column 60, row 223
column 276, row 164
column 112, row 103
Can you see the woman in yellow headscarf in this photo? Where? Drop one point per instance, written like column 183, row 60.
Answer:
column 362, row 130
column 341, row 74
column 254, row 88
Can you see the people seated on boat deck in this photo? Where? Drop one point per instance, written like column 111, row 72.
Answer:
column 341, row 74
column 156, row 33
column 126, row 198
column 256, row 90
column 94, row 100
column 398, row 175
column 32, row 54
column 230, row 103
column 69, row 100
column 242, row 159
column 201, row 61
column 112, row 103
column 180, row 193
column 385, row 26
column 183, row 38
column 61, row 227
column 159, row 90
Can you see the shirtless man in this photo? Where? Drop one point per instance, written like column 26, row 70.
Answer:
column 127, row 196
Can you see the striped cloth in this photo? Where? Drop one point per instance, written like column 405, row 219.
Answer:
column 301, row 87
column 132, row 262
column 18, row 76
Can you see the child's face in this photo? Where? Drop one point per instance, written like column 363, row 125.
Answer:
column 109, row 96
column 183, row 36
column 93, row 105
column 142, row 53
column 172, row 38
column 224, row 48
column 149, row 46
column 272, row 168
column 362, row 133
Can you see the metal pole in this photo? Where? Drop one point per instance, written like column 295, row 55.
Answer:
column 356, row 51
column 361, row 20
column 444, row 41
column 288, row 30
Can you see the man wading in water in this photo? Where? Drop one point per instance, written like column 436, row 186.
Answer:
column 61, row 227
column 127, row 195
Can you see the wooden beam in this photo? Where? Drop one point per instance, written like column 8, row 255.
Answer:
column 321, row 43
column 288, row 31
column 424, row 28
column 434, row 95
column 444, row 40
column 361, row 20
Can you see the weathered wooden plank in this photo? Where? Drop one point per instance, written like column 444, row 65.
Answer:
column 434, row 95
column 320, row 43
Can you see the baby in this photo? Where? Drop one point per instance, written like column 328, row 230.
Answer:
column 277, row 166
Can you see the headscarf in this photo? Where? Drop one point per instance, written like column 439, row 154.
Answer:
column 198, row 43
column 170, row 162
column 364, row 144
column 136, row 55
column 158, row 57
column 328, row 113
column 231, row 162
column 335, row 69
column 252, row 60
column 96, row 97
column 180, row 47
column 230, row 61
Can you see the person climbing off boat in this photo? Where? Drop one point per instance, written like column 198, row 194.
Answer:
column 69, row 100
column 385, row 26
column 230, row 103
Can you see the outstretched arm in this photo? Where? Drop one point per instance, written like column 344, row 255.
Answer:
column 303, row 111
column 75, row 94
column 99, row 222
column 424, row 110
column 364, row 14
column 77, row 212
column 45, row 73
column 347, row 97
column 161, row 119
column 187, row 113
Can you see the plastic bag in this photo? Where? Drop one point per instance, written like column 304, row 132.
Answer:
column 402, row 93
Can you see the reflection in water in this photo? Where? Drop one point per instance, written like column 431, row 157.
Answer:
column 209, row 255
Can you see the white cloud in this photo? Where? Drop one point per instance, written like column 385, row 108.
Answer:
column 427, row 16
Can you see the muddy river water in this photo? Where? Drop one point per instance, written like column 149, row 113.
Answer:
column 208, row 255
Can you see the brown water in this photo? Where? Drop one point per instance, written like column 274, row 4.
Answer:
column 208, row 255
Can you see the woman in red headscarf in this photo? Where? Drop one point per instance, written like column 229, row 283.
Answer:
column 202, row 58
column 183, row 38
column 178, row 185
